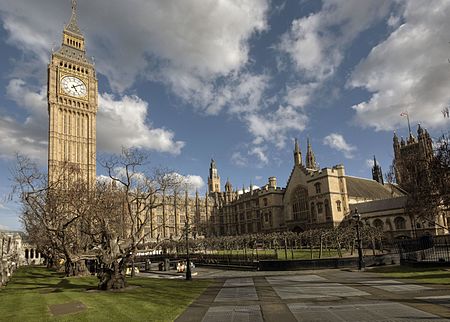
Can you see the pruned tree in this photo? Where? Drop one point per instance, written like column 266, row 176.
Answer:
column 123, row 208
column 52, row 212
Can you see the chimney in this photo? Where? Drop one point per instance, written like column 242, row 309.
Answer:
column 273, row 182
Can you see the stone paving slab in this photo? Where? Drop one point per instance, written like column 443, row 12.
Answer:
column 394, row 286
column 440, row 299
column 322, row 290
column 230, row 294
column 67, row 308
column 275, row 280
column 239, row 282
column 233, row 314
column 360, row 312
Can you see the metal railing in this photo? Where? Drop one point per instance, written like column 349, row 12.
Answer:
column 429, row 249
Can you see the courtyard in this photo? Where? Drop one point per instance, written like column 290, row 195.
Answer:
column 391, row 294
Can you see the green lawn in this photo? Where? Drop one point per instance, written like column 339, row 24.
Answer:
column 32, row 289
column 298, row 253
column 423, row 275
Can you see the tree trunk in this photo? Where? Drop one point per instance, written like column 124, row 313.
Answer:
column 321, row 247
column 76, row 268
column 339, row 250
column 292, row 250
column 285, row 248
column 112, row 277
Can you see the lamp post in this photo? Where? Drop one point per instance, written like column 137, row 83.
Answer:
column 356, row 216
column 188, row 262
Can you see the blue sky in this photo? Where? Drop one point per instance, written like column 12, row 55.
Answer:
column 236, row 80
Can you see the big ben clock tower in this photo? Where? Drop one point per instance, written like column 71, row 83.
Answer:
column 72, row 107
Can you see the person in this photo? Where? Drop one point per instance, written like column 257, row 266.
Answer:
column 181, row 267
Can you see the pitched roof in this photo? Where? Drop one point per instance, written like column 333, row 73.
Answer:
column 379, row 205
column 366, row 188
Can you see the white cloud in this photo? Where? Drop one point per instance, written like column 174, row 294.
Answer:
column 274, row 126
column 29, row 135
column 260, row 152
column 192, row 182
column 316, row 43
column 146, row 37
column 337, row 142
column 247, row 189
column 369, row 163
column 120, row 123
column 251, row 155
column 197, row 48
column 300, row 94
column 195, row 182
column 123, row 123
column 408, row 71
column 238, row 159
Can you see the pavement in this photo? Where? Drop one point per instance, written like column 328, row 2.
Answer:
column 321, row 295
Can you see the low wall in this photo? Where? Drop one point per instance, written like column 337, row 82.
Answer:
column 424, row 264
column 288, row 265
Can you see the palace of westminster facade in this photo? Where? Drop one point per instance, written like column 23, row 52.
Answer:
column 312, row 198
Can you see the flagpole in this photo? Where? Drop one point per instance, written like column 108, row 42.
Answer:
column 409, row 125
column 407, row 118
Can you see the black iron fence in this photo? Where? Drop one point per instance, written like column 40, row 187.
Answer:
column 427, row 249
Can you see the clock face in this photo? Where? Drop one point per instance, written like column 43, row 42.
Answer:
column 73, row 86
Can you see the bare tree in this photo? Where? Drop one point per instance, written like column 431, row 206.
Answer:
column 123, row 212
column 52, row 212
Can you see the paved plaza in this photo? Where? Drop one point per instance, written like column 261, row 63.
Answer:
column 326, row 295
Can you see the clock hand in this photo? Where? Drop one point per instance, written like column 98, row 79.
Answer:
column 74, row 87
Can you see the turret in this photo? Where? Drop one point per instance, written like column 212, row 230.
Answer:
column 213, row 179
column 297, row 154
column 273, row 182
column 396, row 144
column 377, row 174
column 228, row 186
column 310, row 157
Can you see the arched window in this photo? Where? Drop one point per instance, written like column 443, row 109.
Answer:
column 338, row 205
column 327, row 210
column 31, row 253
column 300, row 209
column 400, row 223
column 378, row 223
column 26, row 253
column 318, row 187
column 319, row 207
column 313, row 211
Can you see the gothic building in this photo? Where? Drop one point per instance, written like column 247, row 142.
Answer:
column 411, row 157
column 72, row 107
column 377, row 174
column 312, row 198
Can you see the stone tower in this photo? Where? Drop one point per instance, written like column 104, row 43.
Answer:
column 297, row 154
column 412, row 158
column 377, row 175
column 72, row 107
column 310, row 157
column 213, row 179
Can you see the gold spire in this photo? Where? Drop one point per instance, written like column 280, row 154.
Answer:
column 72, row 26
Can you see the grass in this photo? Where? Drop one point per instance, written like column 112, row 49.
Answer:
column 298, row 253
column 28, row 296
column 437, row 275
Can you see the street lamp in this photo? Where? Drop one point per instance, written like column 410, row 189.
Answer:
column 188, row 262
column 357, row 216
